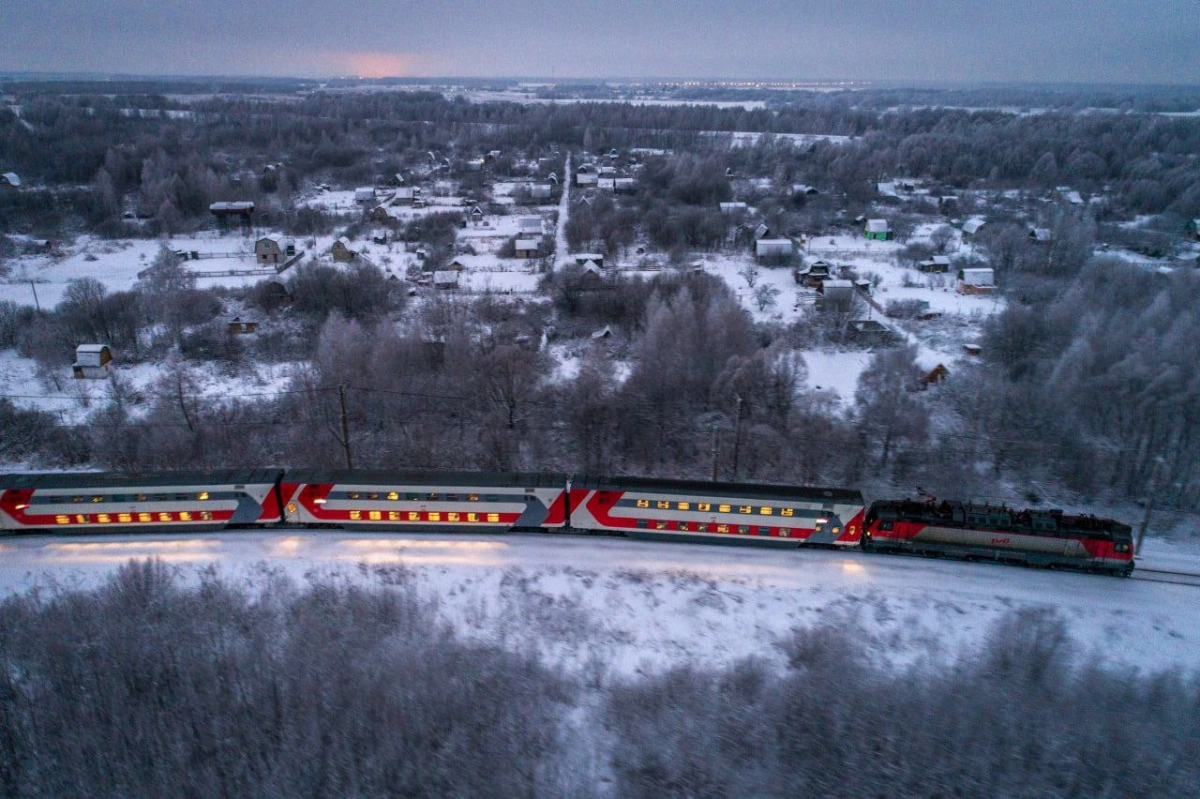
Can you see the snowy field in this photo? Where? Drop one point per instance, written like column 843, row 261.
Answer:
column 627, row 607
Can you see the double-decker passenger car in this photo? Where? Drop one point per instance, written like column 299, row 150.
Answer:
column 1035, row 537
column 676, row 510
column 414, row 500
column 89, row 501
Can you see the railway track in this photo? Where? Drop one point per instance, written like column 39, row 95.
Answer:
column 1165, row 576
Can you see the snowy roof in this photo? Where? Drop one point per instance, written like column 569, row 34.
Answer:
column 972, row 226
column 887, row 189
column 877, row 226
column 836, row 284
column 730, row 207
column 527, row 244
column 11, row 178
column 403, row 193
column 1041, row 234
column 606, row 183
column 240, row 205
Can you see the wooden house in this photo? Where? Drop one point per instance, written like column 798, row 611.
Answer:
column 273, row 249
column 343, row 251
column 938, row 264
column 527, row 248
column 446, row 280
column 238, row 209
column 976, row 280
column 972, row 226
column 238, row 326
column 877, row 230
column 836, row 295
column 364, row 195
column 92, row 362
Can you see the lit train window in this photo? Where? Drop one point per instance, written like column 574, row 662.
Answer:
column 206, row 515
column 745, row 509
column 685, row 506
column 786, row 512
column 62, row 519
column 703, row 507
column 725, row 508
column 784, row 533
column 354, row 495
column 453, row 517
column 684, row 526
column 103, row 518
column 203, row 495
column 375, row 515
column 81, row 518
column 493, row 517
column 663, row 505
column 125, row 517
column 660, row 525
column 722, row 528
column 97, row 499
column 472, row 497
column 164, row 517
column 435, row 516
column 414, row 516
column 393, row 496
column 185, row 516
column 643, row 503
column 765, row 511
column 472, row 517
column 701, row 528
column 356, row 514
column 145, row 517
column 393, row 516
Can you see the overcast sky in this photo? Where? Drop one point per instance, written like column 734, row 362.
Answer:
column 1088, row 41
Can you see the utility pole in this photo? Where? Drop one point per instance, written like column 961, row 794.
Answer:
column 36, row 304
column 345, row 427
column 737, row 434
column 714, row 451
column 1145, row 525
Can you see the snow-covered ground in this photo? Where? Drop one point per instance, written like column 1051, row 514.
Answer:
column 621, row 607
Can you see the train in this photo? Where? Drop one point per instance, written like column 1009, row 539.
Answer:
column 636, row 507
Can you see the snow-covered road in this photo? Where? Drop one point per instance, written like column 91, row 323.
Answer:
column 635, row 606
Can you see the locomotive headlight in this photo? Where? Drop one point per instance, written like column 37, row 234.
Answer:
column 320, row 501
column 23, row 506
column 822, row 521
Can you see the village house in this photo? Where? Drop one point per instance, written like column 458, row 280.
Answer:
column 1041, row 235
column 836, row 295
column 364, row 195
column 587, row 175
column 583, row 258
column 92, row 362
column 445, row 280
column 274, row 249
column 527, row 248
column 242, row 325
column 972, row 226
column 976, row 280
column 343, row 251
column 938, row 264
column 529, row 226
column 877, row 230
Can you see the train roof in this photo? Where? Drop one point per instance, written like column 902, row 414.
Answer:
column 109, row 480
column 426, row 477
column 755, row 490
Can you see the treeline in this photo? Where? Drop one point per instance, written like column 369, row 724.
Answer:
column 145, row 686
column 166, row 161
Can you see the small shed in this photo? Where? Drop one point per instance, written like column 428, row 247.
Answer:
column 239, row 326
column 404, row 195
column 364, row 195
column 935, row 375
column 972, row 226
column 224, row 210
column 92, row 362
column 343, row 251
column 446, row 280
column 1041, row 235
column 877, row 230
column 938, row 264
column 527, row 248
column 976, row 280
column 814, row 274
